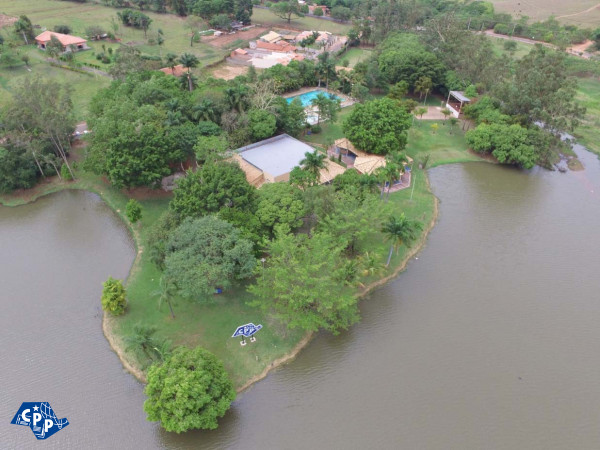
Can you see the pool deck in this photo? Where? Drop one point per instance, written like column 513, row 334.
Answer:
column 346, row 101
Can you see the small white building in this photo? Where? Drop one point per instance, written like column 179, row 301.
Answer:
column 455, row 102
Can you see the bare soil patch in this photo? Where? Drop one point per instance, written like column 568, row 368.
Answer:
column 7, row 20
column 228, row 72
column 226, row 39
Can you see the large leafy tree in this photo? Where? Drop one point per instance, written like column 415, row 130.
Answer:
column 17, row 169
column 379, row 126
column 190, row 390
column 287, row 9
column 510, row 144
column 291, row 117
column 206, row 253
column 262, row 124
column 212, row 188
column 400, row 230
column 541, row 91
column 404, row 58
column 279, row 203
column 302, row 285
column 40, row 115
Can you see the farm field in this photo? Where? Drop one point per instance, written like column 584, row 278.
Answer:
column 584, row 13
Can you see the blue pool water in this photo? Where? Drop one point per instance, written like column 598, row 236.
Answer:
column 308, row 96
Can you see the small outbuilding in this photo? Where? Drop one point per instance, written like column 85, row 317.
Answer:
column 456, row 101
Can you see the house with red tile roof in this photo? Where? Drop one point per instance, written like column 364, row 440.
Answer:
column 69, row 43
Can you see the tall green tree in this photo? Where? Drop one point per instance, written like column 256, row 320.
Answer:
column 279, row 203
column 41, row 113
column 212, row 188
column 24, row 27
column 313, row 163
column 287, row 9
column 190, row 390
column 189, row 61
column 301, row 283
column 327, row 107
column 207, row 253
column 378, row 126
column 400, row 230
column 113, row 297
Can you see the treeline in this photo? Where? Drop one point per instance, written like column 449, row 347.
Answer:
column 240, row 10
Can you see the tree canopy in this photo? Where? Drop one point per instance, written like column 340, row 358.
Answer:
column 190, row 390
column 378, row 126
column 206, row 253
column 302, row 283
column 211, row 188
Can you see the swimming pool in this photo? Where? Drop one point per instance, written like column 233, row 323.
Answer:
column 308, row 96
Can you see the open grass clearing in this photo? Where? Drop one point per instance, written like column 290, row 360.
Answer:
column 79, row 16
column 84, row 85
column 588, row 133
column 354, row 55
column 268, row 19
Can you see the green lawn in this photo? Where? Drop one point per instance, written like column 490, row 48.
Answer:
column 48, row 13
column 588, row 94
column 84, row 85
column 444, row 145
column 354, row 55
column 521, row 50
column 330, row 131
column 268, row 19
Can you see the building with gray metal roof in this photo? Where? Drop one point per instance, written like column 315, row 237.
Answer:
column 276, row 156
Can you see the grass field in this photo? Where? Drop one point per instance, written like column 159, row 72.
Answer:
column 354, row 55
column 578, row 12
column 521, row 50
column 48, row 13
column 588, row 94
column 84, row 85
column 267, row 18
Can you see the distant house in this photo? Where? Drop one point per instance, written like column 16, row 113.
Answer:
column 68, row 42
column 325, row 9
column 271, row 37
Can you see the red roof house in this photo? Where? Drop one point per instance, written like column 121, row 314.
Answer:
column 68, row 42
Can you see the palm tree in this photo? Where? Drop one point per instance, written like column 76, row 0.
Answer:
column 145, row 345
column 172, row 62
column 205, row 110
column 423, row 86
column 236, row 97
column 189, row 61
column 313, row 163
column 165, row 293
column 399, row 230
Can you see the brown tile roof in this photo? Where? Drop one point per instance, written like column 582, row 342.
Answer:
column 369, row 164
column 330, row 171
column 64, row 39
column 346, row 144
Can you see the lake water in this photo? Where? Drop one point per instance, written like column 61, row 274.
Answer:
column 489, row 340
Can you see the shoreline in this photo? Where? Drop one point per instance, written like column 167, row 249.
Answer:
column 115, row 342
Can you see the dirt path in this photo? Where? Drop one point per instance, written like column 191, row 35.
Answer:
column 579, row 13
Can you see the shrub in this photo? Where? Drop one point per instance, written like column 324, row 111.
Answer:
column 133, row 210
column 113, row 297
column 316, row 129
column 64, row 173
column 318, row 12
